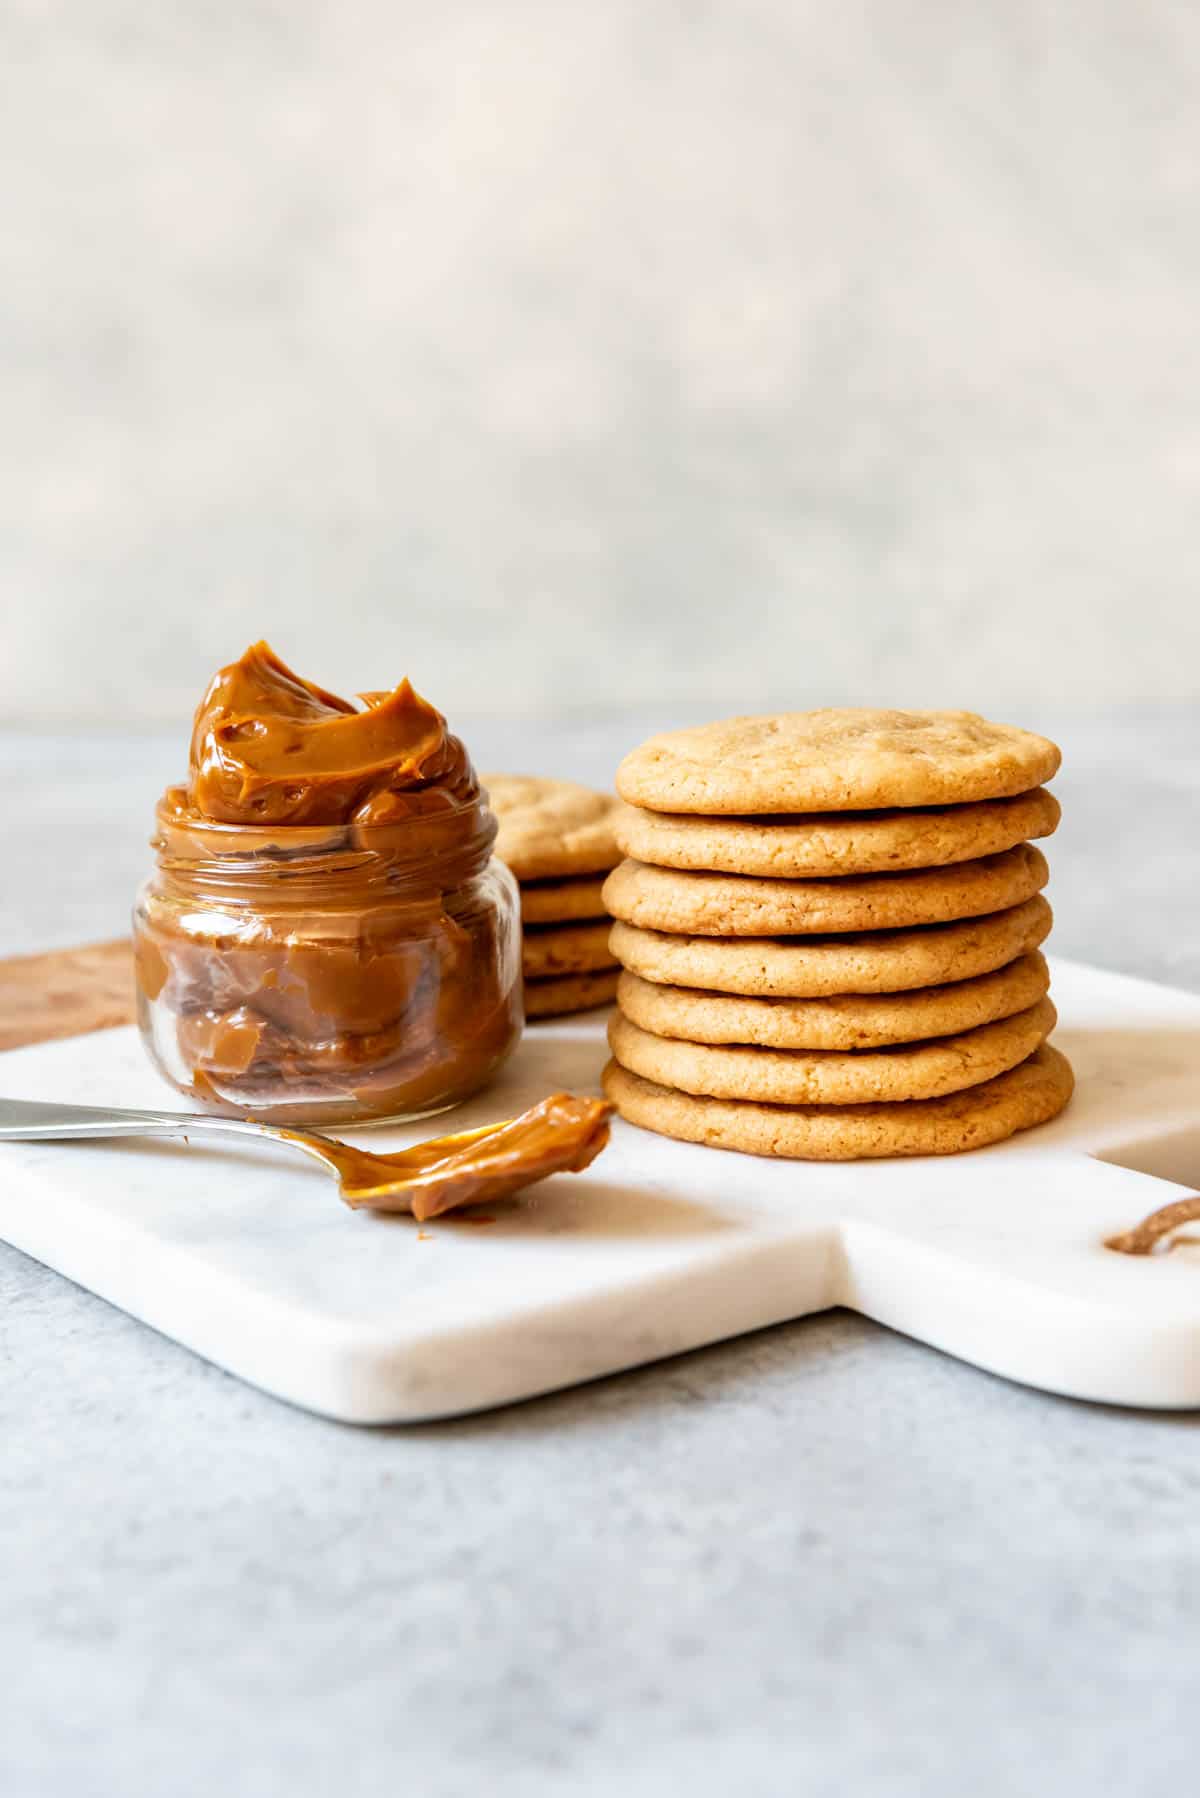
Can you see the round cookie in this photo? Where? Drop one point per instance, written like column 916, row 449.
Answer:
column 836, row 760
column 550, row 828
column 562, row 901
column 561, row 994
column 1031, row 1093
column 884, row 961
column 566, row 949
column 835, row 843
column 849, row 1021
column 829, row 1077
column 725, row 905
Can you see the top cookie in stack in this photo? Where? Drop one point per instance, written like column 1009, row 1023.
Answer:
column 829, row 923
column 558, row 840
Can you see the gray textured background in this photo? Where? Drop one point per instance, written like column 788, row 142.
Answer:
column 580, row 356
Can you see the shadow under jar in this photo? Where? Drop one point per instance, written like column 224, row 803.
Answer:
column 328, row 974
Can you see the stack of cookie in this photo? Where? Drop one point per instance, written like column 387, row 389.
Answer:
column 558, row 840
column 829, row 924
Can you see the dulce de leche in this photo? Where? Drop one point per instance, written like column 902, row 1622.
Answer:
column 326, row 936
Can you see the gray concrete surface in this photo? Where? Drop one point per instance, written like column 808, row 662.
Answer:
column 819, row 1560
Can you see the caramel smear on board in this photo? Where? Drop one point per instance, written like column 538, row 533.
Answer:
column 559, row 1135
column 1144, row 1238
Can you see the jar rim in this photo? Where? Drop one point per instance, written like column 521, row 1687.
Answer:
column 439, row 847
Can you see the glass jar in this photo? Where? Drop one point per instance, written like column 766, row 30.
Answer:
column 328, row 975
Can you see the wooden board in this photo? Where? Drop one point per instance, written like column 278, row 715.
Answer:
column 66, row 992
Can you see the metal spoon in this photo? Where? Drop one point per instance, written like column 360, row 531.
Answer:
column 561, row 1134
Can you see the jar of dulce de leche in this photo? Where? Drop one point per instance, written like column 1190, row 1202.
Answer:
column 326, row 937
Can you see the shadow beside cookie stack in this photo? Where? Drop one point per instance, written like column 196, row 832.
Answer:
column 557, row 838
column 830, row 924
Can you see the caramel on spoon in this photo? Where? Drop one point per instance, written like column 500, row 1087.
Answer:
column 561, row 1134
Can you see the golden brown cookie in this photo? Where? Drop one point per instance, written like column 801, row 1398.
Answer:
column 732, row 905
column 835, row 843
column 849, row 1021
column 562, row 901
column 566, row 949
column 1031, row 1093
column 550, row 828
column 880, row 961
column 833, row 1077
column 850, row 759
column 560, row 994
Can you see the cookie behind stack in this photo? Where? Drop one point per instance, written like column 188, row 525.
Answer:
column 557, row 838
column 829, row 924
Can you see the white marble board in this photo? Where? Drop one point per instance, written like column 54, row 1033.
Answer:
column 250, row 1258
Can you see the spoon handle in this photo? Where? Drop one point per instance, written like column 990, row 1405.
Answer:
column 28, row 1120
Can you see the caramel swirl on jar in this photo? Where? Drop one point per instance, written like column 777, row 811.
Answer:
column 326, row 936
